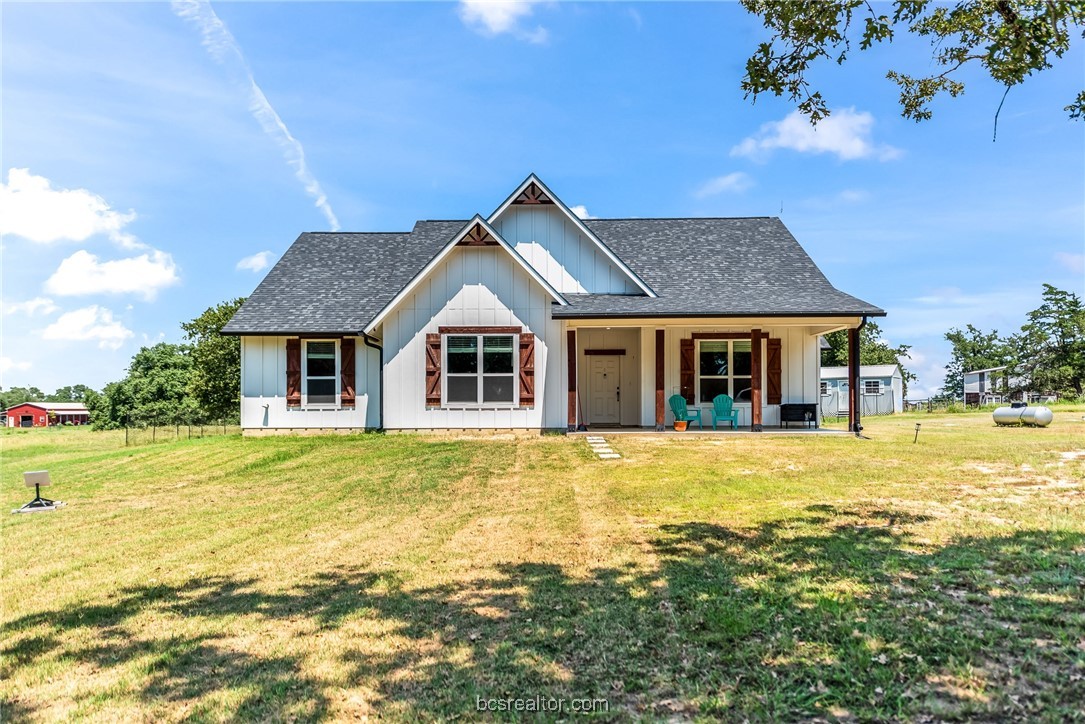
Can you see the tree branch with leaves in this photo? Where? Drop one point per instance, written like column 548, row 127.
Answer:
column 1011, row 40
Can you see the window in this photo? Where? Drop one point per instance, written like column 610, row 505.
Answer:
column 723, row 368
column 320, row 379
column 824, row 389
column 481, row 369
column 872, row 387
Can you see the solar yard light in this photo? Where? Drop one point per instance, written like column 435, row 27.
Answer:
column 916, row 434
column 36, row 479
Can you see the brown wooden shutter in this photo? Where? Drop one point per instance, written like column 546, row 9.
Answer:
column 774, row 393
column 687, row 368
column 527, row 369
column 346, row 372
column 433, row 370
column 293, row 373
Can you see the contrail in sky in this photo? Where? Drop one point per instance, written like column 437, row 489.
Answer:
column 223, row 47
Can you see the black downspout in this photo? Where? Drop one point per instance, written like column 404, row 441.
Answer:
column 369, row 342
column 856, row 394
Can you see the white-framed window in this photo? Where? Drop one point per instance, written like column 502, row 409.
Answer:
column 872, row 387
column 480, row 370
column 824, row 389
column 320, row 373
column 723, row 368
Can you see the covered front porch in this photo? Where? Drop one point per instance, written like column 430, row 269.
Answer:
column 709, row 432
column 622, row 374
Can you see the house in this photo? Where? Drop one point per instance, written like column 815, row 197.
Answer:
column 985, row 386
column 532, row 318
column 44, row 414
column 993, row 386
column 881, row 390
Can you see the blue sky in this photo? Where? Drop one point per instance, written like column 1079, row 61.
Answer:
column 157, row 158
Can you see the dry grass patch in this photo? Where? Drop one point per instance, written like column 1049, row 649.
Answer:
column 401, row 577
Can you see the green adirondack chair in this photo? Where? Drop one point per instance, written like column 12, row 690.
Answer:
column 723, row 408
column 682, row 412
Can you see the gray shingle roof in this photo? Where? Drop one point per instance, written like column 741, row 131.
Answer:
column 714, row 267
column 335, row 283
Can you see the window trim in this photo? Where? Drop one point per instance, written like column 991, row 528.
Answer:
column 879, row 388
column 731, row 377
column 480, row 375
column 305, row 404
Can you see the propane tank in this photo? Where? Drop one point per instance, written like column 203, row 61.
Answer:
column 1030, row 416
column 1007, row 415
column 1037, row 416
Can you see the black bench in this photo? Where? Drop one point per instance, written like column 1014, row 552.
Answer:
column 804, row 412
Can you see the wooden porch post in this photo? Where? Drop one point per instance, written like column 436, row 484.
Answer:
column 755, row 381
column 853, row 378
column 571, row 336
column 661, row 410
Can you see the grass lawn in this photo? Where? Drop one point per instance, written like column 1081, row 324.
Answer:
column 402, row 577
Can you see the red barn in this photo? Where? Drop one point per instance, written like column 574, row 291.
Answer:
column 44, row 414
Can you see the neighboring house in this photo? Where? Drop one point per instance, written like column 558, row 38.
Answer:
column 532, row 318
column 44, row 414
column 881, row 390
column 992, row 386
column 982, row 387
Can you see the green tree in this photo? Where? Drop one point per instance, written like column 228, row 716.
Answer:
column 873, row 350
column 972, row 349
column 1048, row 355
column 19, row 395
column 70, row 393
column 216, row 361
column 111, row 409
column 1009, row 39
column 155, row 391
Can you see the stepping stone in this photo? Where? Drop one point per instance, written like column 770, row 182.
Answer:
column 609, row 456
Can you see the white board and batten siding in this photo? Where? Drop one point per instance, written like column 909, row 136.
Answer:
column 799, row 368
column 263, row 391
column 553, row 245
column 474, row 286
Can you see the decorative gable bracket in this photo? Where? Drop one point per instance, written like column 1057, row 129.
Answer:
column 477, row 236
column 532, row 195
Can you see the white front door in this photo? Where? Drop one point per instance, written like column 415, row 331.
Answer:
column 603, row 382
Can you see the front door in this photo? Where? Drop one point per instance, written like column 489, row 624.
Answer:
column 604, row 383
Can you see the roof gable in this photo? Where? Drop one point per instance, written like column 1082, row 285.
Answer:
column 476, row 232
column 532, row 191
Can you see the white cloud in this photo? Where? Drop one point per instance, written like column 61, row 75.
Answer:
column 494, row 17
column 257, row 262
column 89, row 323
column 32, row 306
column 83, row 273
column 31, row 208
column 845, row 133
column 223, row 47
column 581, row 211
column 7, row 363
column 731, row 183
column 1072, row 262
column 853, row 196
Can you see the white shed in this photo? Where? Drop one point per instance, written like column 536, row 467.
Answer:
column 881, row 390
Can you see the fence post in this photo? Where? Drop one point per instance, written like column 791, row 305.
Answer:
column 154, row 429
